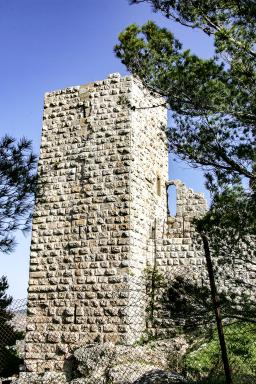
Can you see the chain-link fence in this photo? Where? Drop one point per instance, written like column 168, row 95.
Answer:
column 12, row 331
column 167, row 327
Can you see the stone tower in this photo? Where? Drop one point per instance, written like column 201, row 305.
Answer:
column 101, row 195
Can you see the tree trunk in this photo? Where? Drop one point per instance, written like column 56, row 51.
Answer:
column 217, row 310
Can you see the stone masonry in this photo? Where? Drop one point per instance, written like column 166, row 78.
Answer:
column 102, row 175
column 101, row 219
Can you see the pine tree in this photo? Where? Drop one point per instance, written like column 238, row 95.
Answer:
column 213, row 101
column 17, row 188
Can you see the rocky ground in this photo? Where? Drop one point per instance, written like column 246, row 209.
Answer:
column 115, row 364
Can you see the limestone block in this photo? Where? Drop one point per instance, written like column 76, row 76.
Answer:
column 54, row 337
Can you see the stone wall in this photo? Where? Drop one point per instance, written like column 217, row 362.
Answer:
column 96, row 203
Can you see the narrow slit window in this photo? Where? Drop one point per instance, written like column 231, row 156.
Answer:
column 158, row 185
column 83, row 111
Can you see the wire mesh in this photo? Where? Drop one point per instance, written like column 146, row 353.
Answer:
column 12, row 330
column 158, row 343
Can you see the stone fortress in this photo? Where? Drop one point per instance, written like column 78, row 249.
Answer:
column 102, row 218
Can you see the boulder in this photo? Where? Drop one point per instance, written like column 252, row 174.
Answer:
column 158, row 376
column 120, row 364
column 93, row 361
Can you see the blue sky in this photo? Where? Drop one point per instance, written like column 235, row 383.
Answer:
column 53, row 44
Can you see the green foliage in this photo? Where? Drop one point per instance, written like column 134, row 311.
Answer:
column 234, row 204
column 191, row 308
column 241, row 342
column 17, row 188
column 213, row 101
column 231, row 225
column 232, row 23
column 9, row 361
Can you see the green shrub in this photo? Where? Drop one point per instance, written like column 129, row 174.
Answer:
column 206, row 361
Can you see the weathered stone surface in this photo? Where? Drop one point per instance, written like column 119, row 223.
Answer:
column 94, row 212
column 121, row 364
column 129, row 373
column 101, row 219
column 93, row 360
column 160, row 377
column 47, row 378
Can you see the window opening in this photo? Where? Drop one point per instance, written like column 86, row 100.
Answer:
column 171, row 200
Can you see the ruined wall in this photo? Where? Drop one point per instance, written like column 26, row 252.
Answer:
column 178, row 251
